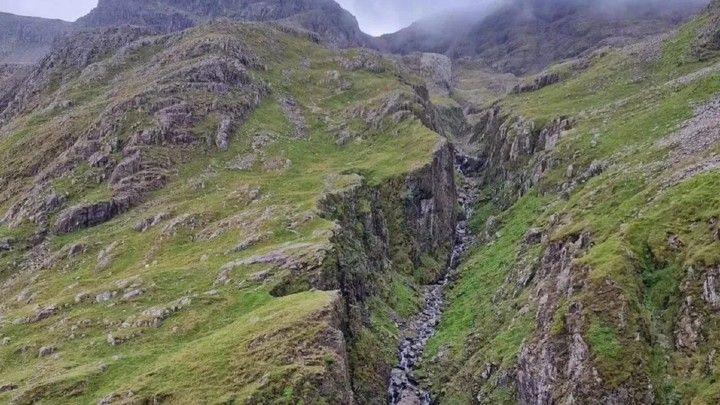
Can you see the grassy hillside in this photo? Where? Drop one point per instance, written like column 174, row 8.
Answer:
column 202, row 288
column 602, row 276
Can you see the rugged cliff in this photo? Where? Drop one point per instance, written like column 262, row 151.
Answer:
column 331, row 22
column 232, row 211
column 594, row 276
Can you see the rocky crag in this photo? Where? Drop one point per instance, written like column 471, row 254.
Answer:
column 193, row 187
column 227, row 210
column 594, row 280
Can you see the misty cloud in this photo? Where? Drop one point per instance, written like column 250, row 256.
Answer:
column 378, row 17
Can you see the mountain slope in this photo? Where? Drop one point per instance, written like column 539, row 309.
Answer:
column 232, row 212
column 596, row 276
column 25, row 40
column 525, row 36
column 325, row 17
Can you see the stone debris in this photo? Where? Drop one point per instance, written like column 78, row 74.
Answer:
column 145, row 224
column 46, row 351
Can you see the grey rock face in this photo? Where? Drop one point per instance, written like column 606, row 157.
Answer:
column 25, row 40
column 325, row 17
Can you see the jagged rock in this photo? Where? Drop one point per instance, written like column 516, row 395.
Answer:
column 80, row 297
column 714, row 226
column 249, row 242
column 104, row 297
column 363, row 59
column 222, row 138
column 86, row 216
column 126, row 168
column 131, row 295
column 688, row 329
column 154, row 317
column 674, row 242
column 6, row 244
column 318, row 20
column 147, row 223
column 8, row 387
column 707, row 43
column 542, row 80
column 43, row 313
column 710, row 288
column 46, row 351
column 533, row 236
column 435, row 69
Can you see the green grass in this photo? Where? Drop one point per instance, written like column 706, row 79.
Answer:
column 632, row 279
column 477, row 325
column 240, row 343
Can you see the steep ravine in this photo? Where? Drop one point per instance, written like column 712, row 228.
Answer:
column 404, row 387
column 391, row 239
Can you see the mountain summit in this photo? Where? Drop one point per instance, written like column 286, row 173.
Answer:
column 331, row 22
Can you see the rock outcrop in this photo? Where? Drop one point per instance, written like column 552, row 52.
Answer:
column 379, row 230
column 331, row 22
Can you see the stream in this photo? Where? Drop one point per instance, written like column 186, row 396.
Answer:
column 404, row 389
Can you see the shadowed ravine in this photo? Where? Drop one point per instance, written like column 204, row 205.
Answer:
column 404, row 388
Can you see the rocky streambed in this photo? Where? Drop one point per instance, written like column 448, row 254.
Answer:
column 404, row 389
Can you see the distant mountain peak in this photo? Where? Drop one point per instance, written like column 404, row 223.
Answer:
column 334, row 24
column 525, row 36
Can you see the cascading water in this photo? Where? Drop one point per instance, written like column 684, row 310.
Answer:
column 404, row 389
